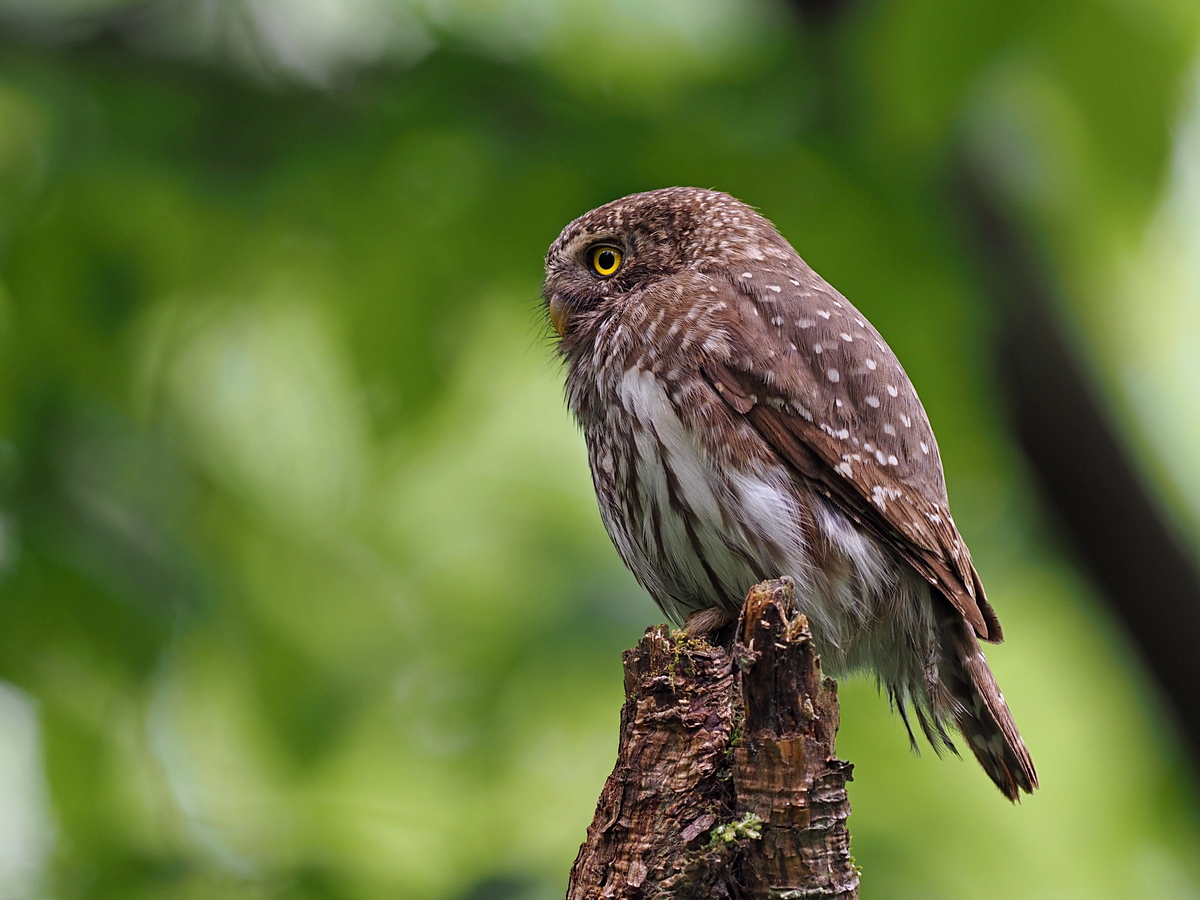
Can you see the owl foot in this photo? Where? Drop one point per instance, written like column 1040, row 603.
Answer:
column 703, row 622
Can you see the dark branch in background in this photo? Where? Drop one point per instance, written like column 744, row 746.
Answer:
column 821, row 12
column 1086, row 475
column 1088, row 482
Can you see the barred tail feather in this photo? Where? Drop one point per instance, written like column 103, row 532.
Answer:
column 980, row 713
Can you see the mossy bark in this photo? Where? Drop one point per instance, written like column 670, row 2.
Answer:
column 726, row 783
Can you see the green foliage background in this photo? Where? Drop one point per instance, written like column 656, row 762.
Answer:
column 303, row 590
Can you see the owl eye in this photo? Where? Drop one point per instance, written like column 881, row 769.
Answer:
column 605, row 260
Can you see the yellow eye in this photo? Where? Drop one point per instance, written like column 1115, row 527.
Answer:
column 605, row 260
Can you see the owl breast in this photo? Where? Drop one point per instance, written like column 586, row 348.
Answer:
column 698, row 533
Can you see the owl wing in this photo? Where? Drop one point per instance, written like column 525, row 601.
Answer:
column 821, row 386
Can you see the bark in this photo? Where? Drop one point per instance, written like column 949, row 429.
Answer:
column 726, row 784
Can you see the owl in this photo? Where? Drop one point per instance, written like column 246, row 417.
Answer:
column 743, row 422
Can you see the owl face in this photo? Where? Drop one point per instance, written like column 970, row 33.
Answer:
column 606, row 257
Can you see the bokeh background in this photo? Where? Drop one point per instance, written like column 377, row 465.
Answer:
column 303, row 593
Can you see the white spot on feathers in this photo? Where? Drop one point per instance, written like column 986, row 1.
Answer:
column 846, row 337
column 774, row 287
column 892, row 390
column 872, row 400
column 833, row 375
column 823, row 313
column 879, row 494
column 924, row 447
column 870, row 363
column 889, row 428
column 817, row 348
column 747, row 274
column 801, row 411
column 906, row 420
column 805, row 323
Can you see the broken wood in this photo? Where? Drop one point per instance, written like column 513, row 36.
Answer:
column 726, row 784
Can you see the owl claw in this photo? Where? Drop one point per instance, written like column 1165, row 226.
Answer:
column 704, row 622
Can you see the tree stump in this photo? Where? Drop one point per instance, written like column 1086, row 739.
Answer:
column 726, row 784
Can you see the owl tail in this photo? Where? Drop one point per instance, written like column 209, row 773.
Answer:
column 973, row 700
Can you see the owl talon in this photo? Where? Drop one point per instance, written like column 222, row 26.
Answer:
column 704, row 622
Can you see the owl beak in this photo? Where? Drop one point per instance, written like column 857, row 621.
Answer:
column 558, row 315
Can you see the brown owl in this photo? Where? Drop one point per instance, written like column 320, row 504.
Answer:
column 744, row 421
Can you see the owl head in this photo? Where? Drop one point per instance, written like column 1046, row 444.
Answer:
column 605, row 256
